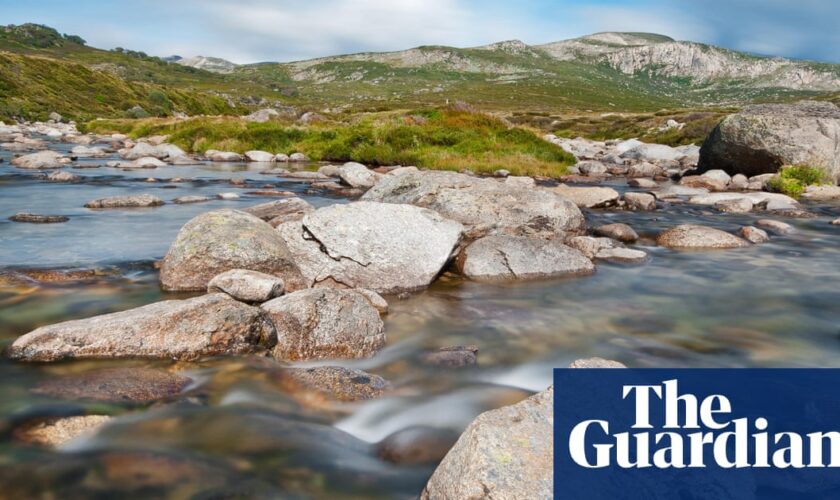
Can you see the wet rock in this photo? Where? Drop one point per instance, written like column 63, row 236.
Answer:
column 589, row 197
column 452, row 357
column 221, row 240
column 330, row 383
column 483, row 205
column 590, row 246
column 224, row 156
column 228, row 196
column 357, row 175
column 503, row 257
column 387, row 248
column 503, row 453
column 622, row 255
column 325, row 323
column 280, row 211
column 247, row 286
column 129, row 201
column 596, row 363
column 189, row 329
column 416, row 445
column 63, row 176
column 37, row 218
column 144, row 162
column 762, row 138
column 618, row 231
column 132, row 385
column 55, row 432
column 181, row 200
column 754, row 234
column 298, row 157
column 693, row 236
column 735, row 205
column 259, row 156
column 775, row 226
column 40, row 160
column 821, row 193
column 159, row 151
column 640, row 201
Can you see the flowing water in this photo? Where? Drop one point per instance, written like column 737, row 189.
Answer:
column 232, row 434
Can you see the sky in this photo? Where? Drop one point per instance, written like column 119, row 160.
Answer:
column 247, row 31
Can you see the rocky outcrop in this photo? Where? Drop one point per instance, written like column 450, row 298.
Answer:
column 483, row 205
column 504, row 257
column 325, row 323
column 762, row 138
column 689, row 236
column 218, row 241
column 383, row 247
column 189, row 329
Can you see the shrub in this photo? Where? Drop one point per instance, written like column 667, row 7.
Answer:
column 793, row 179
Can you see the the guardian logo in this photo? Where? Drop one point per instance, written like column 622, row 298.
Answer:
column 694, row 429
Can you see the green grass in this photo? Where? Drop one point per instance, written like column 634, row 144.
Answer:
column 793, row 179
column 444, row 139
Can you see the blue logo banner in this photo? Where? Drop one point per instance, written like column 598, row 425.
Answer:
column 696, row 434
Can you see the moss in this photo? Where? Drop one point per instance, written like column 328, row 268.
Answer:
column 793, row 179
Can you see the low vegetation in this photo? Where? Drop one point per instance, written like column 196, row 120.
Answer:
column 793, row 179
column 446, row 139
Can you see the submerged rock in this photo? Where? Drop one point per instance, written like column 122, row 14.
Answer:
column 57, row 431
column 63, row 176
column 134, row 385
column 416, row 445
column 386, row 248
column 452, row 357
column 38, row 219
column 502, row 257
column 129, row 201
column 221, row 240
column 189, row 329
column 247, row 286
column 325, row 323
column 694, row 236
column 330, row 383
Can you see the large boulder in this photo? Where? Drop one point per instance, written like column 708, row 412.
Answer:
column 209, row 325
column 39, row 160
column 485, row 204
column 324, row 323
column 504, row 257
column 762, row 138
column 218, row 241
column 690, row 236
column 384, row 247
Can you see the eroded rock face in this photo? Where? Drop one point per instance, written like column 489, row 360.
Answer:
column 218, row 241
column 247, row 286
column 325, row 323
column 502, row 257
column 174, row 329
column 482, row 203
column 762, row 138
column 387, row 248
column 692, row 236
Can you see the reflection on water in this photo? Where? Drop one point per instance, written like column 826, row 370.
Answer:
column 233, row 431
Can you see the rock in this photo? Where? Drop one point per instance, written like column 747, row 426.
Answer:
column 592, row 168
column 330, row 383
column 596, row 363
column 694, row 236
column 504, row 453
column 281, row 158
column 589, row 197
column 55, row 117
column 57, row 431
column 387, row 248
column 403, row 170
column 181, row 200
column 38, row 219
column 144, row 162
column 228, row 196
column 128, row 201
column 504, row 257
column 622, row 255
column 298, row 157
column 306, row 175
column 699, row 181
column 735, row 206
column 159, row 151
column 262, row 115
column 281, row 211
column 209, row 325
column 643, row 169
column 247, row 286
column 763, row 138
column 452, row 357
column 618, row 231
column 357, row 175
column 675, row 191
column 221, row 240
column 590, row 246
column 416, row 445
column 754, row 234
column 482, row 204
column 88, row 152
column 625, row 146
column 836, row 222
column 502, row 173
column 330, row 170
column 520, row 181
column 759, row 182
column 39, row 160
column 821, row 193
column 760, row 199
column 325, row 323
column 63, row 176
column 739, row 182
column 643, row 183
column 640, row 201
column 653, row 153
column 259, row 156
column 118, row 385
column 224, row 156
column 376, row 300
column 183, row 160
column 776, row 226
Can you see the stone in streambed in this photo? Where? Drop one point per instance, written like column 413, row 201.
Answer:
column 590, row 246
column 134, row 385
column 247, row 286
column 182, row 200
column 280, row 211
column 640, row 201
column 57, row 431
column 622, row 255
column 589, row 197
column 40, row 160
column 189, row 329
column 357, row 175
column 503, row 257
column 330, row 383
column 690, row 236
column 617, row 231
column 63, row 176
column 452, row 357
column 416, row 445
column 259, row 156
column 754, row 234
column 776, row 226
column 38, row 219
column 129, row 201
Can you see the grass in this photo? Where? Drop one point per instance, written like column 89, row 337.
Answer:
column 442, row 139
column 793, row 179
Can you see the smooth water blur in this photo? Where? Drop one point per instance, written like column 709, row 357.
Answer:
column 775, row 304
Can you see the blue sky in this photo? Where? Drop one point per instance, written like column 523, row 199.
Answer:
column 282, row 30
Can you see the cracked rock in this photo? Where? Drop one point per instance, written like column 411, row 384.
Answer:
column 502, row 257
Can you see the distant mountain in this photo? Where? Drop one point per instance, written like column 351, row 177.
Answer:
column 213, row 64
